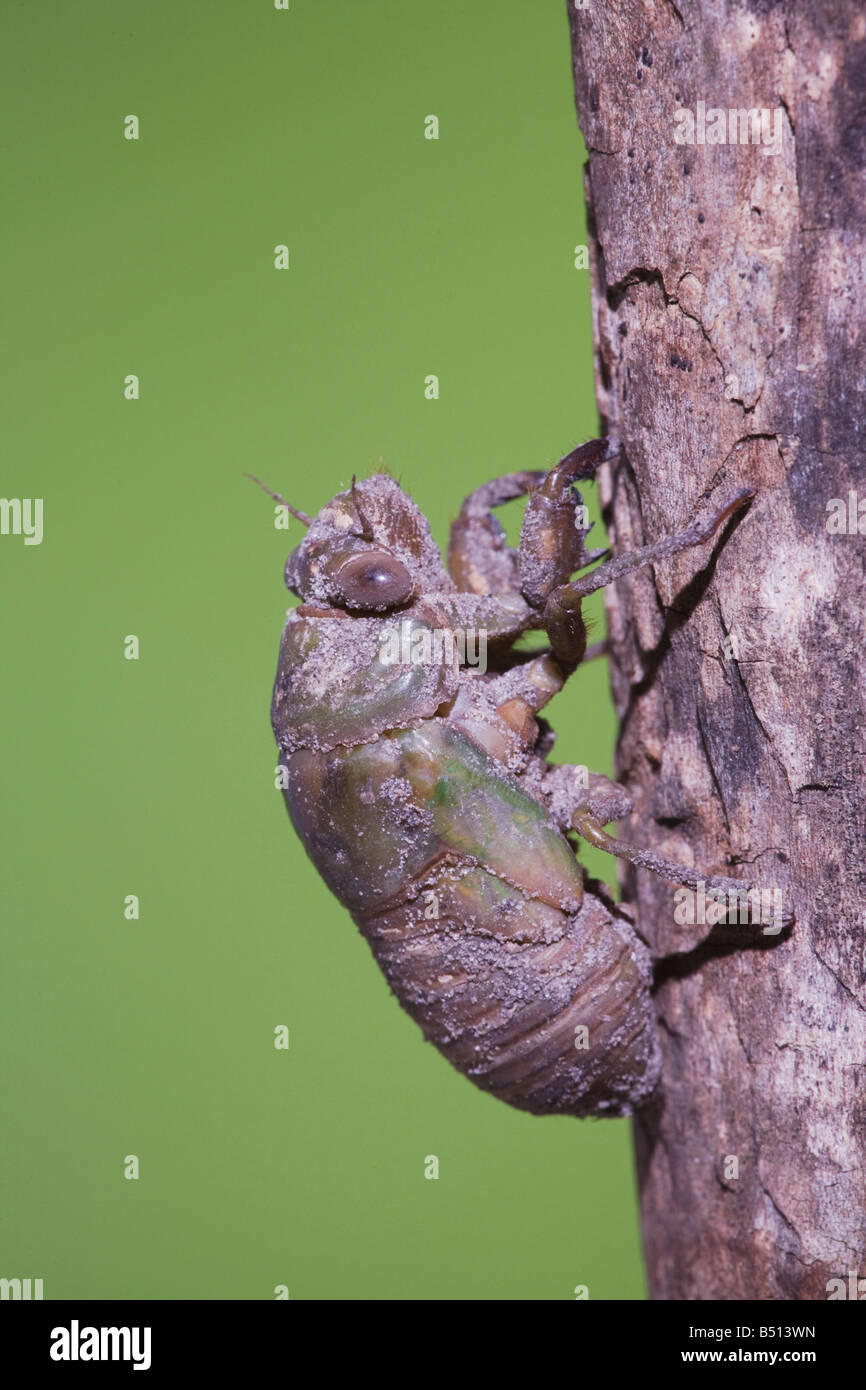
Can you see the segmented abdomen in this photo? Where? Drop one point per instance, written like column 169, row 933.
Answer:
column 473, row 904
column 547, row 1010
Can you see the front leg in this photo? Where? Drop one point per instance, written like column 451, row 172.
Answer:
column 479, row 560
column 551, row 541
column 555, row 527
column 562, row 616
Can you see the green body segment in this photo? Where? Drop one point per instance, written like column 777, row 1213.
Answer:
column 473, row 904
column 375, row 819
column 337, row 682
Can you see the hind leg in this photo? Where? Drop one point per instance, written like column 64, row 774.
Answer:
column 586, row 802
column 731, row 896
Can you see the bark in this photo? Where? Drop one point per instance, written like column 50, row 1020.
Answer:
column 728, row 297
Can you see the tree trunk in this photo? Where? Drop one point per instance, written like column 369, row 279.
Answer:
column 728, row 284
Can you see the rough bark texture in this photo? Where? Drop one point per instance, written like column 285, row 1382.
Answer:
column 728, row 294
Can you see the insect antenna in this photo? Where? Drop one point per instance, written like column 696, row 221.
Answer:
column 366, row 528
column 299, row 516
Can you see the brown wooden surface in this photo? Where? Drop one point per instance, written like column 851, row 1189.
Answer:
column 728, row 294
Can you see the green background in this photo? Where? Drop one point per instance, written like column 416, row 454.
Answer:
column 409, row 256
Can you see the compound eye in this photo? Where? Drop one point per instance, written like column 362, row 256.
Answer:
column 373, row 581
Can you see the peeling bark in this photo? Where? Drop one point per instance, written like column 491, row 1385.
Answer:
column 728, row 297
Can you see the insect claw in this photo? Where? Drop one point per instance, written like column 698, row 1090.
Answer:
column 583, row 462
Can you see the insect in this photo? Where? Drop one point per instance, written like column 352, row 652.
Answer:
column 420, row 786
